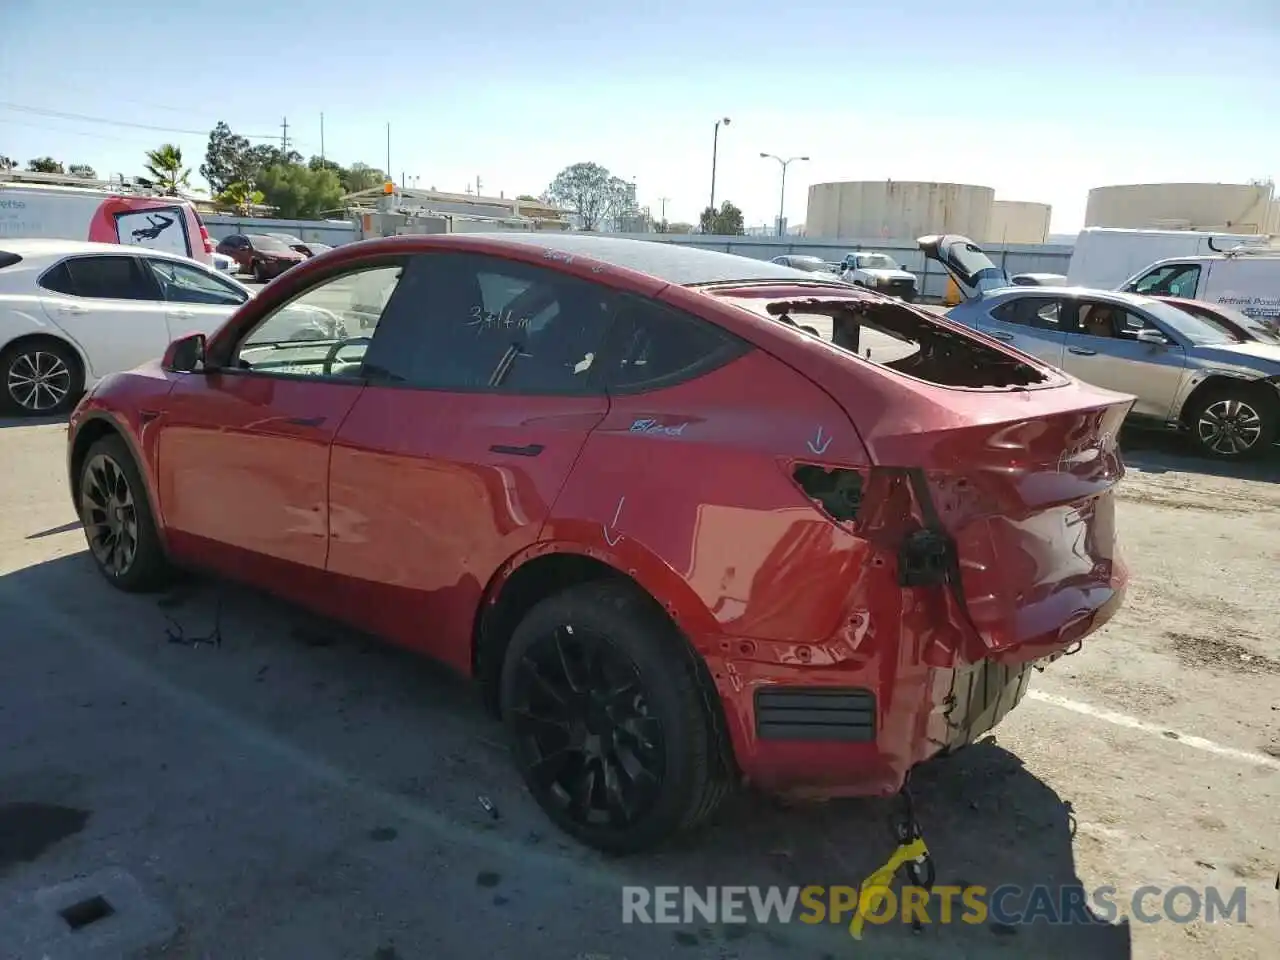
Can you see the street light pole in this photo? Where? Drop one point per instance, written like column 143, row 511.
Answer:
column 782, row 198
column 715, row 143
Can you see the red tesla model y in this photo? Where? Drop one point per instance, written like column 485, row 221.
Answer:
column 692, row 520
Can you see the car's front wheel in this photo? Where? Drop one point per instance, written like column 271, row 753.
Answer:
column 42, row 378
column 1235, row 422
column 118, row 523
column 608, row 722
column 259, row 272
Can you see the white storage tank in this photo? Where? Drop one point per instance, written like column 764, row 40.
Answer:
column 897, row 209
column 1226, row 207
column 1018, row 221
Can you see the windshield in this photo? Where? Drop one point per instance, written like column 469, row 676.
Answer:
column 1186, row 324
column 1258, row 329
column 876, row 261
column 262, row 242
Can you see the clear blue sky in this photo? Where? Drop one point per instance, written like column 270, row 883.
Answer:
column 1040, row 101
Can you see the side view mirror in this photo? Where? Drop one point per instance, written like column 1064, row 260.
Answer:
column 1153, row 337
column 185, row 354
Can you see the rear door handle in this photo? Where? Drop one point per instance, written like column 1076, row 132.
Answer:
column 1082, row 351
column 73, row 309
column 181, row 314
column 997, row 335
column 532, row 450
column 305, row 421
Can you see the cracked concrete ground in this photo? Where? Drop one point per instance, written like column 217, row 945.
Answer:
column 302, row 792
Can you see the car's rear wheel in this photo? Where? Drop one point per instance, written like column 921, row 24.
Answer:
column 118, row 523
column 608, row 722
column 42, row 378
column 1235, row 422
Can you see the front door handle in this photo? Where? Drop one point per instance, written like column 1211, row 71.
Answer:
column 997, row 335
column 1082, row 351
column 70, row 309
column 181, row 314
column 305, row 421
column 532, row 450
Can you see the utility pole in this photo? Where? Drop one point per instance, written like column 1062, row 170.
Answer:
column 478, row 184
column 715, row 143
column 322, row 140
column 663, row 201
column 284, row 135
column 388, row 148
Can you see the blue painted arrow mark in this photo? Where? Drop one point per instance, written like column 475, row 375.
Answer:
column 819, row 443
column 609, row 538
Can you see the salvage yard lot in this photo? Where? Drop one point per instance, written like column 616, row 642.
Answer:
column 301, row 792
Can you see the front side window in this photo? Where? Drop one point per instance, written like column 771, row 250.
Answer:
column 324, row 331
column 472, row 322
column 102, row 278
column 181, row 283
column 1171, row 280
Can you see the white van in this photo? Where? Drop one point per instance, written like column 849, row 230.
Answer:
column 1105, row 257
column 1247, row 279
column 55, row 207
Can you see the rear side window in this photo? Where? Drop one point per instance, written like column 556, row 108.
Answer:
column 1042, row 313
column 653, row 345
column 108, row 278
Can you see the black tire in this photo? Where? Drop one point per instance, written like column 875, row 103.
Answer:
column 149, row 569
column 58, row 368
column 1235, row 422
column 259, row 271
column 680, row 737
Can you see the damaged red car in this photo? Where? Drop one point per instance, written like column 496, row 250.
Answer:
column 692, row 520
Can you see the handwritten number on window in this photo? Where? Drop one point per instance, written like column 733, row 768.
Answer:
column 484, row 320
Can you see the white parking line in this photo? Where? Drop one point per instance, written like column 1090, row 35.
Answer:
column 1173, row 736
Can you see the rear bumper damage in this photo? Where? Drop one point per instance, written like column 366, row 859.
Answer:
column 823, row 721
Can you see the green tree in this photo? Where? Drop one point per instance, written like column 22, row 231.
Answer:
column 6, row 163
column 361, row 176
column 82, row 170
column 226, row 160
column 240, row 197
column 45, row 165
column 166, row 169
column 591, row 191
column 725, row 222
column 298, row 192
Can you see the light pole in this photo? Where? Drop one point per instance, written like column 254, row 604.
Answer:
column 715, row 143
column 782, row 198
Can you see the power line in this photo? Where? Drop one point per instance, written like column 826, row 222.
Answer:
column 84, row 118
column 78, row 133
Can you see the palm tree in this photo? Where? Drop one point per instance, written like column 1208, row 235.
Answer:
column 165, row 167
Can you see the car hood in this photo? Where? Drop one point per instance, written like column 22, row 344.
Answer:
column 1263, row 357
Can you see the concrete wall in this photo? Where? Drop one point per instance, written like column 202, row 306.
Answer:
column 1013, row 257
column 1233, row 207
column 891, row 208
column 332, row 232
column 1018, row 221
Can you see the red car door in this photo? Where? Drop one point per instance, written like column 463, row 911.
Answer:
column 440, row 477
column 243, row 454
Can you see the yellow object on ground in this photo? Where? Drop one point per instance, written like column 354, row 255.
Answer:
column 875, row 888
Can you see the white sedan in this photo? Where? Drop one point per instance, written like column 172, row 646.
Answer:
column 73, row 312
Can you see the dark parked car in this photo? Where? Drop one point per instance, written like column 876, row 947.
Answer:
column 681, row 542
column 262, row 255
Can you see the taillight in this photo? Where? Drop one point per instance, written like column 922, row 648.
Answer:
column 208, row 242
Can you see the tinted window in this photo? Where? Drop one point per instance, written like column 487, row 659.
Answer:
column 58, row 279
column 653, row 345
column 181, row 283
column 110, row 278
column 324, row 331
column 468, row 322
column 1043, row 313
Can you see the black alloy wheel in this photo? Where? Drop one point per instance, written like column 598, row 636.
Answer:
column 584, row 727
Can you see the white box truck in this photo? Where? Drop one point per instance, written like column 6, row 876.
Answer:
column 1104, row 258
